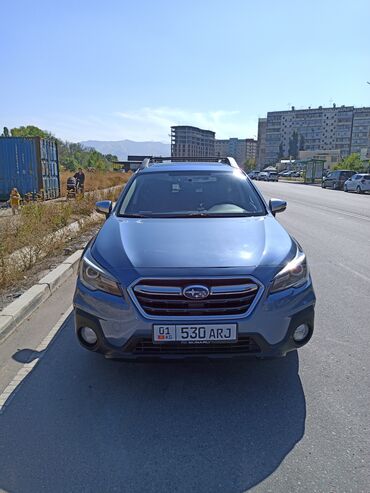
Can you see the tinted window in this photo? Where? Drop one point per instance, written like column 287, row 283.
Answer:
column 186, row 193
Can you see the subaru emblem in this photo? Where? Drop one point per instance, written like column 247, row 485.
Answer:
column 195, row 292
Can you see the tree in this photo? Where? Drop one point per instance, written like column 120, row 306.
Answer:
column 293, row 145
column 5, row 132
column 111, row 158
column 301, row 143
column 250, row 164
column 352, row 162
column 281, row 151
column 31, row 131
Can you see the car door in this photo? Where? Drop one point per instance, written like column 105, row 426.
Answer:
column 329, row 179
column 366, row 183
column 351, row 183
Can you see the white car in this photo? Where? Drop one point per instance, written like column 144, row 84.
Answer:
column 360, row 183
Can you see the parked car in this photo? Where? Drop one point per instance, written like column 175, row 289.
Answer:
column 182, row 268
column 253, row 175
column 263, row 176
column 359, row 183
column 335, row 179
column 272, row 176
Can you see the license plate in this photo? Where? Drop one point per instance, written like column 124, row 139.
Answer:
column 195, row 333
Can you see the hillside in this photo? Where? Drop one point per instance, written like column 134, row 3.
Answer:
column 123, row 148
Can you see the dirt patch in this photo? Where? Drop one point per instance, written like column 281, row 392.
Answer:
column 43, row 267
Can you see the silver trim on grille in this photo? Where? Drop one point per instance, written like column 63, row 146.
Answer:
column 239, row 288
column 216, row 291
column 169, row 290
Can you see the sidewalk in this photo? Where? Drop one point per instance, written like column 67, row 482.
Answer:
column 21, row 346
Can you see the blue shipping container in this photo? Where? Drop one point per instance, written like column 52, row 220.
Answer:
column 31, row 165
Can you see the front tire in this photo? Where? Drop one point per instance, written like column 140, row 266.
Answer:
column 345, row 188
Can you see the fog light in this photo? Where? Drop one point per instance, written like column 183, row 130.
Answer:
column 88, row 335
column 300, row 332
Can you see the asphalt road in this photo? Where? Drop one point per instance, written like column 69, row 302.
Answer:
column 300, row 424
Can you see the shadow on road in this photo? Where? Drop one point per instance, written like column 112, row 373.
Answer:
column 80, row 423
column 26, row 355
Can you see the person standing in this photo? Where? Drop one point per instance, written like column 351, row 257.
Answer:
column 80, row 180
column 15, row 201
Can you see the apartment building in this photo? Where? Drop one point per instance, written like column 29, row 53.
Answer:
column 239, row 149
column 188, row 141
column 345, row 129
column 261, row 143
column 361, row 131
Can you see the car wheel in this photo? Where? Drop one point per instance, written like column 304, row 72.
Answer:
column 323, row 185
column 345, row 188
column 358, row 189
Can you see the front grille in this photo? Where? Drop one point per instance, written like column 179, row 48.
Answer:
column 145, row 346
column 165, row 297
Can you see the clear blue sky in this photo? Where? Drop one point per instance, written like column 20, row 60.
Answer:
column 112, row 70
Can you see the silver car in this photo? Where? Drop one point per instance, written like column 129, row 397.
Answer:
column 263, row 176
column 360, row 183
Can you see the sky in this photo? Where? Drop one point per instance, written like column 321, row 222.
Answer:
column 119, row 69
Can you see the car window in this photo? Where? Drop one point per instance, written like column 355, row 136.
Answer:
column 189, row 193
column 366, row 177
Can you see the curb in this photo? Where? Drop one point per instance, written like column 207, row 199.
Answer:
column 17, row 311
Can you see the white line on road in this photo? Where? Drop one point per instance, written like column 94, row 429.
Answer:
column 358, row 274
column 330, row 209
column 28, row 367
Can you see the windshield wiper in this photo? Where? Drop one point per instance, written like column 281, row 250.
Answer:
column 134, row 215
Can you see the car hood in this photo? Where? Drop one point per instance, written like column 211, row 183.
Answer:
column 192, row 243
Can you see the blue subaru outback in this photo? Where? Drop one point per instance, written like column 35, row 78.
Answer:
column 191, row 262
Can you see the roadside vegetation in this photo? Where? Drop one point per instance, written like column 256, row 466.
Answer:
column 95, row 180
column 43, row 229
column 354, row 163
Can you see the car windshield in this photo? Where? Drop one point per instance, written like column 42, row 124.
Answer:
column 191, row 194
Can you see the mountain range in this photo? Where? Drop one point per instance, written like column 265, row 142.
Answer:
column 123, row 148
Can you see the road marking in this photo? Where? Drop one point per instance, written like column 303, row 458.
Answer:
column 330, row 209
column 10, row 390
column 358, row 274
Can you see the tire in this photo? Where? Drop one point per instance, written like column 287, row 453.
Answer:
column 358, row 189
column 345, row 188
column 323, row 185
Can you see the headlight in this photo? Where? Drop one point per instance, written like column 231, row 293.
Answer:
column 95, row 278
column 294, row 274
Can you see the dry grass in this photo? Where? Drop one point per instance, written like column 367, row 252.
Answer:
column 95, row 181
column 41, row 228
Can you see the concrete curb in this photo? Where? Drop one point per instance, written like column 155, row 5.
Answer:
column 26, row 304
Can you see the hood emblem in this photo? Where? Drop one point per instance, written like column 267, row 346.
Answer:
column 195, row 292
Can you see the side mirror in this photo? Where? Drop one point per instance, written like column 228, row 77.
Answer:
column 277, row 205
column 104, row 207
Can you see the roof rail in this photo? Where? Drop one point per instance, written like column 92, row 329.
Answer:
column 148, row 161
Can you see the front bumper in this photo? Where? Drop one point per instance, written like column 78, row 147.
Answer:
column 123, row 333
